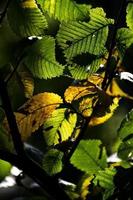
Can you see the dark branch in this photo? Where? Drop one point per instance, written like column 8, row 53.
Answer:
column 5, row 11
column 108, row 76
column 18, row 144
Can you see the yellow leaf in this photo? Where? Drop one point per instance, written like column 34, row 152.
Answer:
column 28, row 83
column 39, row 108
column 96, row 119
column 84, row 186
column 96, row 79
column 115, row 91
column 86, row 105
column 28, row 4
column 46, row 99
column 79, row 90
column 73, row 93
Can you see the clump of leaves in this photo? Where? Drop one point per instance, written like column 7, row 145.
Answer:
column 87, row 95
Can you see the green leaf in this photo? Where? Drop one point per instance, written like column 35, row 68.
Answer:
column 52, row 162
column 89, row 156
column 82, row 37
column 105, row 178
column 25, row 18
column 65, row 10
column 124, row 39
column 82, row 72
column 129, row 16
column 27, row 81
column 58, row 128
column 41, row 59
column 125, row 150
column 126, row 127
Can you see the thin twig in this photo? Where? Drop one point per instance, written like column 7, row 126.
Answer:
column 18, row 144
column 108, row 75
column 15, row 68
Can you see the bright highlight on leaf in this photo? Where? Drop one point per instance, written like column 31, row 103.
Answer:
column 41, row 59
column 65, row 10
column 89, row 156
column 81, row 37
column 59, row 127
column 129, row 16
column 38, row 109
column 26, row 19
column 83, row 186
column 52, row 162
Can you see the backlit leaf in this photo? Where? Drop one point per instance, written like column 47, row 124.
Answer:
column 82, row 72
column 28, row 83
column 126, row 127
column 102, row 116
column 82, row 37
column 38, row 109
column 129, row 16
column 65, row 10
column 83, row 186
column 124, row 39
column 41, row 59
column 59, row 127
column 26, row 19
column 115, row 91
column 52, row 162
column 105, row 178
column 79, row 90
column 89, row 156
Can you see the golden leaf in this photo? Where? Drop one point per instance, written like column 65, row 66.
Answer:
column 28, row 83
column 28, row 4
column 82, row 89
column 39, row 108
column 84, row 186
column 96, row 119
column 114, row 90
column 46, row 99
column 86, row 105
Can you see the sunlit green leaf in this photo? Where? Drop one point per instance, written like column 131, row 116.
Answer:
column 59, row 127
column 82, row 37
column 129, row 16
column 82, row 72
column 89, row 156
column 26, row 19
column 124, row 39
column 105, row 178
column 52, row 162
column 41, row 59
column 65, row 10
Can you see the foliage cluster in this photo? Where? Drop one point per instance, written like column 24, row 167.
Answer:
column 63, row 63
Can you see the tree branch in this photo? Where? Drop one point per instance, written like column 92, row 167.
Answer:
column 5, row 11
column 108, row 76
